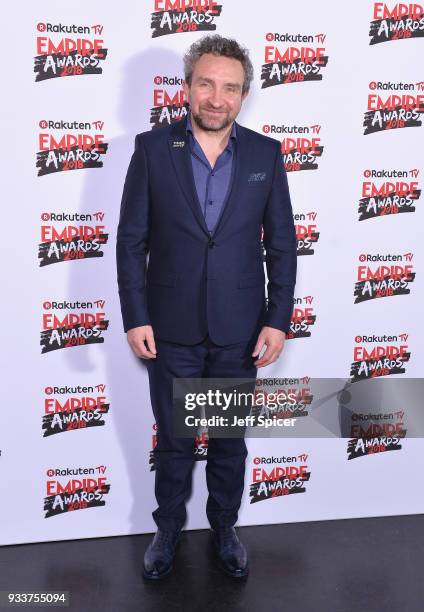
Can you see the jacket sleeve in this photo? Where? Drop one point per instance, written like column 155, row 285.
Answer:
column 132, row 240
column 281, row 251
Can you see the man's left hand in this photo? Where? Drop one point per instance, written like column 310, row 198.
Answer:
column 274, row 340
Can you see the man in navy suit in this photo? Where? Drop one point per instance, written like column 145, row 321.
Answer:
column 196, row 196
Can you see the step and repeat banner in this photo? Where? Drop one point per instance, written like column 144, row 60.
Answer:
column 342, row 89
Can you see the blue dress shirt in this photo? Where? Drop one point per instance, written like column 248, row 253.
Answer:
column 212, row 184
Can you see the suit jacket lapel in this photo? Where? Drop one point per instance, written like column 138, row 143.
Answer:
column 241, row 161
column 180, row 154
column 181, row 158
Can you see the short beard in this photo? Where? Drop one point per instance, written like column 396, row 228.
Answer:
column 207, row 128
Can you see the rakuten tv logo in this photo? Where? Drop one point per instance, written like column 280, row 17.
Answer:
column 178, row 16
column 68, row 411
column 70, row 150
column 169, row 101
column 282, row 480
column 293, row 63
column 300, row 152
column 59, row 55
column 376, row 433
column 307, row 234
column 86, row 491
column 385, row 198
column 394, row 111
column 71, row 242
column 73, row 328
column 303, row 318
column 379, row 356
column 384, row 279
column 267, row 390
column 400, row 22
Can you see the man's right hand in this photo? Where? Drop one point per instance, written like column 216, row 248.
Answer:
column 142, row 342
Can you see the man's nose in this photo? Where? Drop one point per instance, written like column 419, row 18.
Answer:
column 216, row 98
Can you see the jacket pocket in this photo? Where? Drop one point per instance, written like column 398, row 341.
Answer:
column 251, row 279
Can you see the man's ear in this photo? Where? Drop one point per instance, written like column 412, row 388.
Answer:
column 244, row 95
column 186, row 88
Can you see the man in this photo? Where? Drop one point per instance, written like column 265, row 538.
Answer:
column 196, row 196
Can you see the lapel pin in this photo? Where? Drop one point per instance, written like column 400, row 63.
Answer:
column 178, row 144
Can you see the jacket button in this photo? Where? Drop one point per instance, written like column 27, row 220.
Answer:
column 211, row 244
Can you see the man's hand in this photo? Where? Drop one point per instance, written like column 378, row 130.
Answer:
column 138, row 338
column 274, row 340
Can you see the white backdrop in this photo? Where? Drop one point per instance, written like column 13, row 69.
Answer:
column 115, row 101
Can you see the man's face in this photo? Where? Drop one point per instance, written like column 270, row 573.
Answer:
column 215, row 94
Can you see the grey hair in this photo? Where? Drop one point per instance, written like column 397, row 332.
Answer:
column 216, row 44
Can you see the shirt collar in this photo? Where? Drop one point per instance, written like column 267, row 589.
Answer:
column 231, row 140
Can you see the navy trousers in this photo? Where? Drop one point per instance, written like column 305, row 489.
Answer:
column 174, row 457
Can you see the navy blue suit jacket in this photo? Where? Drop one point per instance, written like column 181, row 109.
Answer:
column 194, row 283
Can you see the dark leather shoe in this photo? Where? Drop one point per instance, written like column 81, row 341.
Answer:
column 159, row 555
column 232, row 555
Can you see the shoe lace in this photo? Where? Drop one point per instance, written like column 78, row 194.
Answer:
column 164, row 538
column 226, row 536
